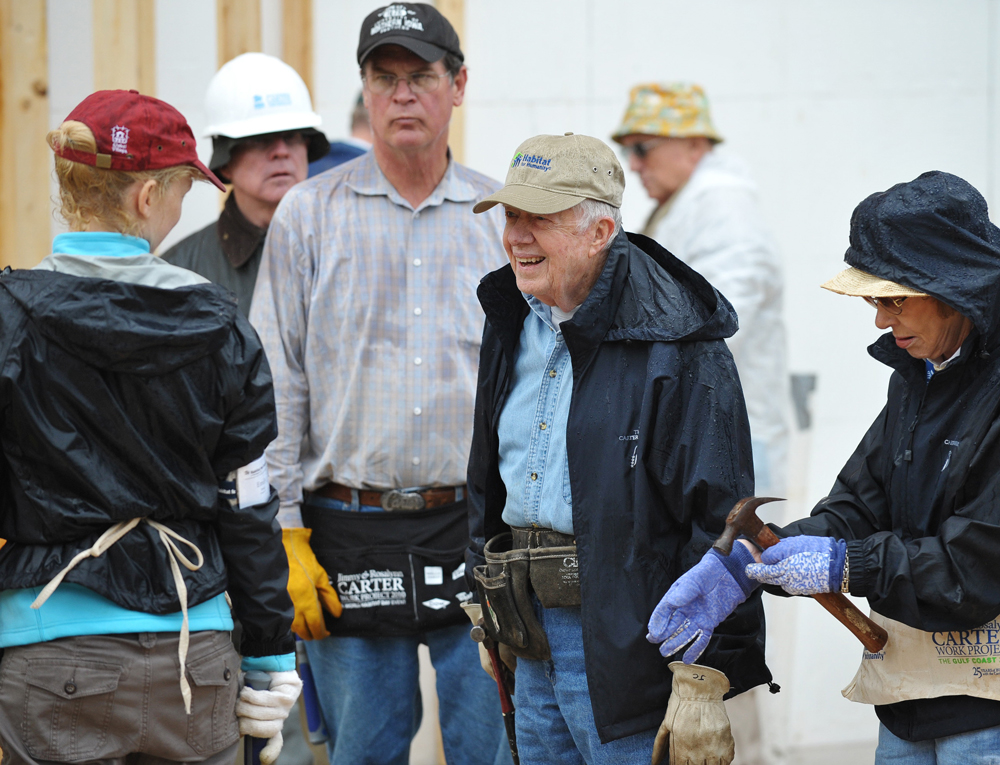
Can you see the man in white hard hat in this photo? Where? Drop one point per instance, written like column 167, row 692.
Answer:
column 263, row 131
column 366, row 301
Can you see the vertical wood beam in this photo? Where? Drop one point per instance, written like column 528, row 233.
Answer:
column 297, row 39
column 125, row 45
column 238, row 28
column 25, row 227
column 454, row 11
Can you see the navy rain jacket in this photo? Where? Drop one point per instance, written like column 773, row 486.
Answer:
column 919, row 500
column 118, row 401
column 649, row 360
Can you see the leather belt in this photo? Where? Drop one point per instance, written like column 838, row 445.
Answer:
column 395, row 499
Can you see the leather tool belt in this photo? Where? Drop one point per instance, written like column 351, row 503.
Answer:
column 519, row 563
column 395, row 499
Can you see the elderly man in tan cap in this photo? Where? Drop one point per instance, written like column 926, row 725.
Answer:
column 707, row 215
column 610, row 441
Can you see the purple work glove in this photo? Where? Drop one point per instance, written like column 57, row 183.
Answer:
column 699, row 601
column 802, row 565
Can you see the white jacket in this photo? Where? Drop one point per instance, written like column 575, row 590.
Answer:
column 715, row 226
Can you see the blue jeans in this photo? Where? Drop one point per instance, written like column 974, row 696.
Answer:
column 370, row 697
column 555, row 722
column 978, row 747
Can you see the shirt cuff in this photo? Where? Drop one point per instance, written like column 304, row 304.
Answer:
column 283, row 663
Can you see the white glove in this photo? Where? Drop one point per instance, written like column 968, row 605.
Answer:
column 262, row 713
column 695, row 729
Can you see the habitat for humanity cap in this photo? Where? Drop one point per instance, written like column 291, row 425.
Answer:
column 676, row 110
column 418, row 27
column 133, row 133
column 552, row 173
column 854, row 281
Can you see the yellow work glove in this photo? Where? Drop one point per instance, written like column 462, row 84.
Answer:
column 696, row 724
column 475, row 613
column 309, row 586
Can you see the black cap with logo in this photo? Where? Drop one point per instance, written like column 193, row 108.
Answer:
column 418, row 27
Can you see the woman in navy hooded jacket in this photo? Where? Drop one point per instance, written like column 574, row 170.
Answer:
column 135, row 406
column 913, row 520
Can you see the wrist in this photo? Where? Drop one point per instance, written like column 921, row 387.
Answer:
column 736, row 563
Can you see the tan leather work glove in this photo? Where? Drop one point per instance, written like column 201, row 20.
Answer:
column 696, row 724
column 475, row 613
column 309, row 586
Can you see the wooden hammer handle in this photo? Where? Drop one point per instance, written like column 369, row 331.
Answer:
column 871, row 635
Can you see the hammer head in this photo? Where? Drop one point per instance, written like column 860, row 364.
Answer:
column 742, row 519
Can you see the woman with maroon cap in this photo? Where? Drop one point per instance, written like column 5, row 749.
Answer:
column 135, row 406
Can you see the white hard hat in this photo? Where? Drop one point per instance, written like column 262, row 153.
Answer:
column 255, row 94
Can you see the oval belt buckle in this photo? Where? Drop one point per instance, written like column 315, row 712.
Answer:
column 402, row 500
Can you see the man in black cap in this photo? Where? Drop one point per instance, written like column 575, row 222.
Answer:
column 366, row 303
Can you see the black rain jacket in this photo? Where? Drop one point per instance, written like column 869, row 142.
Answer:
column 118, row 401
column 649, row 360
column 919, row 500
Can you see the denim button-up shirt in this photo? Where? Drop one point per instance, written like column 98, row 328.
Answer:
column 532, row 427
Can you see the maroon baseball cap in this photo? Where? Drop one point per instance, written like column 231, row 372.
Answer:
column 135, row 132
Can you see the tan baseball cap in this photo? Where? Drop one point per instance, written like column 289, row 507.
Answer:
column 858, row 283
column 552, row 173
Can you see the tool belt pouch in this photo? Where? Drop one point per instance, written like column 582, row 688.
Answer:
column 552, row 566
column 508, row 613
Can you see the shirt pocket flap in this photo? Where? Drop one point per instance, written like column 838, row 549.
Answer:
column 74, row 680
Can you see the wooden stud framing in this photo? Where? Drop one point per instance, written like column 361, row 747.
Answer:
column 454, row 11
column 25, row 226
column 125, row 45
column 238, row 28
column 297, row 38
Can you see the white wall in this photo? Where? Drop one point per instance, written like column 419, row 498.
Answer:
column 827, row 101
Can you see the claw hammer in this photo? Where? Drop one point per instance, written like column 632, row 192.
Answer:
column 743, row 520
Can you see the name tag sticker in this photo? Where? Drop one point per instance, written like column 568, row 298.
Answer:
column 433, row 575
column 252, row 483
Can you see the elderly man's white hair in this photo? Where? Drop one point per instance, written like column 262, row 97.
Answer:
column 591, row 210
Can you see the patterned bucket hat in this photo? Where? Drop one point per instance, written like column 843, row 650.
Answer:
column 675, row 109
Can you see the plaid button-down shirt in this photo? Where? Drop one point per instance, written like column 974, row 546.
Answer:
column 368, row 312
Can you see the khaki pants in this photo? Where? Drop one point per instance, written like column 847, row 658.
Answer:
column 117, row 699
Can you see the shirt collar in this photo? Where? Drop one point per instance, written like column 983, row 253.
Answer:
column 367, row 178
column 238, row 237
column 99, row 243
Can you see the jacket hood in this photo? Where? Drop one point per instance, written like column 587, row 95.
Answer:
column 124, row 327
column 933, row 234
column 658, row 296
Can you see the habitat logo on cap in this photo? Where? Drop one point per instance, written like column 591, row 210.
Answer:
column 531, row 160
column 395, row 18
column 119, row 139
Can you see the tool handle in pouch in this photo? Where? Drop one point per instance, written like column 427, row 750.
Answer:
column 259, row 681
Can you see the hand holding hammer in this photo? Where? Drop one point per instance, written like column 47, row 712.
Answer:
column 743, row 521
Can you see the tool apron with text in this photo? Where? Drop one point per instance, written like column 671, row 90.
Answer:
column 920, row 665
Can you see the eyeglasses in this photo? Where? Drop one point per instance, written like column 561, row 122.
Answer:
column 641, row 150
column 893, row 305
column 418, row 82
column 290, row 137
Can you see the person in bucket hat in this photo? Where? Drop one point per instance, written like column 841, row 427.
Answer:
column 911, row 522
column 610, row 443
column 133, row 494
column 707, row 214
column 366, row 306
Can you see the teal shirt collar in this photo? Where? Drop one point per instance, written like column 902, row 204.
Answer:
column 99, row 243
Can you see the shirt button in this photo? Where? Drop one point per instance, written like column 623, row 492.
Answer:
column 552, row 373
column 534, row 476
column 418, row 361
column 416, row 460
column 417, row 312
column 416, row 215
column 416, row 261
column 417, row 411
column 543, row 426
